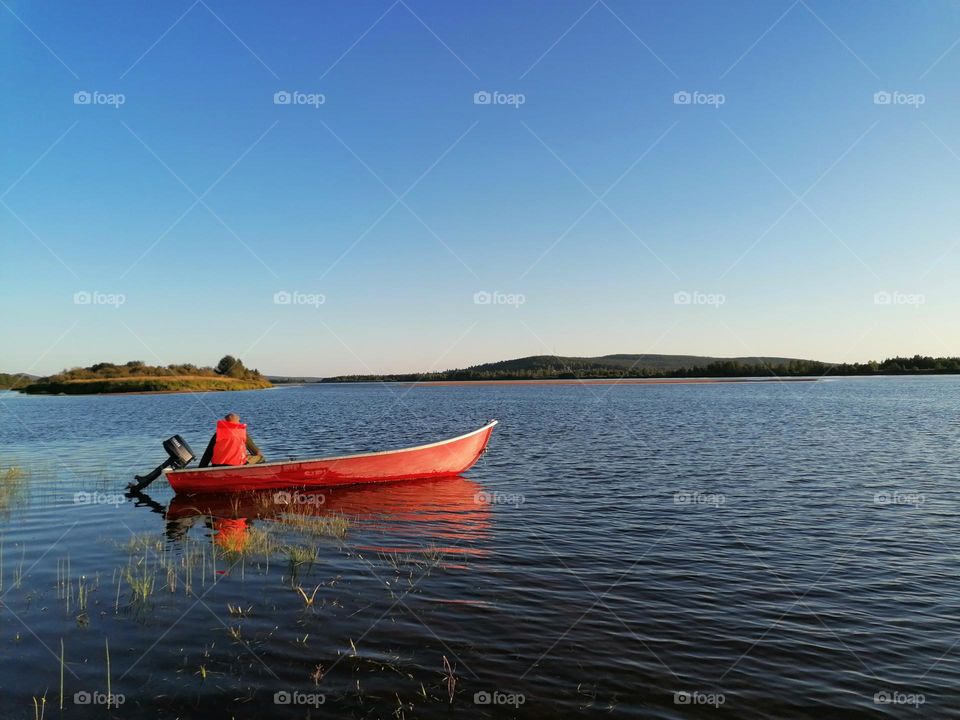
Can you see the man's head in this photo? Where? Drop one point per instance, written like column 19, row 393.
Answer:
column 232, row 417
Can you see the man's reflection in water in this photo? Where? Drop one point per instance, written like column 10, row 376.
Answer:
column 177, row 528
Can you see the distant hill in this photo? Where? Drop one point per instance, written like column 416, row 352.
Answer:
column 621, row 362
column 549, row 367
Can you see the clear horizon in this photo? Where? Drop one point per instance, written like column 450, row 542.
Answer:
column 411, row 186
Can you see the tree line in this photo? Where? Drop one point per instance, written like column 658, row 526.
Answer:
column 584, row 370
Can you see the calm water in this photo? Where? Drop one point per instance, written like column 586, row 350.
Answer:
column 770, row 550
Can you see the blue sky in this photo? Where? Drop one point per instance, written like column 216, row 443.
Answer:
column 799, row 212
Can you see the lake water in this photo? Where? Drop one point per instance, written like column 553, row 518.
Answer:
column 758, row 550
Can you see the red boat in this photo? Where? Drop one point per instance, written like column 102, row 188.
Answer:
column 439, row 459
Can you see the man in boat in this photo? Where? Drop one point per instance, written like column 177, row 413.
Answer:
column 230, row 445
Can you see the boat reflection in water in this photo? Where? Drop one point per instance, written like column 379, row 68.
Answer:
column 449, row 515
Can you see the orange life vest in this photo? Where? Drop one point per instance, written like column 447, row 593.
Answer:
column 230, row 447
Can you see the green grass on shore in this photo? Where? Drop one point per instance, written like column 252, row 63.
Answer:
column 145, row 384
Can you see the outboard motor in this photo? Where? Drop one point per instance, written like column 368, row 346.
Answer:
column 179, row 455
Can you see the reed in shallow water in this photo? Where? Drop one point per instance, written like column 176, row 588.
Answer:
column 250, row 542
column 106, row 644
column 301, row 555
column 335, row 525
column 11, row 487
column 61, row 673
column 141, row 578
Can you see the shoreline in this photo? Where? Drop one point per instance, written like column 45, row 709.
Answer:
column 607, row 381
column 137, row 392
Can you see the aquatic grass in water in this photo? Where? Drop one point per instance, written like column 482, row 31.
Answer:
column 335, row 526
column 451, row 678
column 265, row 503
column 308, row 599
column 62, row 664
column 250, row 542
column 12, row 475
column 428, row 557
column 11, row 488
column 18, row 570
column 141, row 544
column 141, row 578
column 238, row 610
column 106, row 645
column 301, row 555
column 39, row 707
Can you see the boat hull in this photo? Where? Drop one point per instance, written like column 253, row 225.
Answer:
column 440, row 459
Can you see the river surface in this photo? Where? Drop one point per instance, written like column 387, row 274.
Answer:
column 763, row 550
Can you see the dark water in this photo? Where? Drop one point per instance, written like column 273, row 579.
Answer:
column 765, row 550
